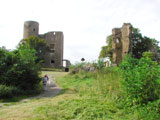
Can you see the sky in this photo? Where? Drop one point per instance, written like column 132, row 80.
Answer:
column 85, row 23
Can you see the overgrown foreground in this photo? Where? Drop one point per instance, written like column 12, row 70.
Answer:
column 101, row 96
column 89, row 96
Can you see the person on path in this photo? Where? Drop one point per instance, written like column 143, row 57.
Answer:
column 45, row 79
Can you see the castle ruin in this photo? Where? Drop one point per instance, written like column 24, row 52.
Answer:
column 121, row 42
column 54, row 39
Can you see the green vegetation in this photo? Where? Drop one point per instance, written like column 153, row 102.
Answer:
column 106, row 51
column 101, row 96
column 20, row 68
column 98, row 95
column 19, row 72
column 8, row 91
column 130, row 92
column 141, row 80
column 140, row 44
column 95, row 95
column 20, row 110
column 39, row 45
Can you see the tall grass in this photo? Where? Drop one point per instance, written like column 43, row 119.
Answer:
column 85, row 96
column 98, row 94
column 95, row 96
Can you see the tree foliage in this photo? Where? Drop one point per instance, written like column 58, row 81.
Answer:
column 139, row 44
column 19, row 68
column 141, row 79
column 38, row 44
column 106, row 51
column 142, row 44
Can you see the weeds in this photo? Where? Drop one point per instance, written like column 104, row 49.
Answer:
column 94, row 96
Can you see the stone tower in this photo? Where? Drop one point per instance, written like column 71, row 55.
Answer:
column 31, row 28
column 54, row 57
column 121, row 42
column 54, row 40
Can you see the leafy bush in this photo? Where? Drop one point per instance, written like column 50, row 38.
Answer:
column 95, row 96
column 19, row 68
column 148, row 55
column 100, row 64
column 78, row 65
column 39, row 45
column 106, row 51
column 141, row 80
column 8, row 91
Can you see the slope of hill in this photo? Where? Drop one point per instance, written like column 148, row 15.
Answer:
column 84, row 96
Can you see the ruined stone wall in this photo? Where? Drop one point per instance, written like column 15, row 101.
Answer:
column 31, row 28
column 126, row 38
column 54, row 57
column 117, row 45
column 121, row 42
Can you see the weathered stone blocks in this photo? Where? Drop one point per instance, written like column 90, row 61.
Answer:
column 121, row 42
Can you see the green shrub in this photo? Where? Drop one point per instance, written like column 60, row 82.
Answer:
column 19, row 68
column 8, row 91
column 148, row 55
column 100, row 64
column 146, row 112
column 99, row 95
column 78, row 65
column 141, row 80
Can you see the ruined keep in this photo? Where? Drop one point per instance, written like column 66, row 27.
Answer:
column 54, row 39
column 121, row 42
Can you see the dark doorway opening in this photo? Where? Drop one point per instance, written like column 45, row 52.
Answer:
column 66, row 69
column 52, row 61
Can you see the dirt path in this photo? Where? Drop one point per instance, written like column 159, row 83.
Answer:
column 52, row 90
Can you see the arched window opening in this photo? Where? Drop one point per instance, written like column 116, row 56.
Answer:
column 52, row 48
column 117, row 41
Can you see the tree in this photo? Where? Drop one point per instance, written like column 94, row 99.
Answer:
column 142, row 44
column 38, row 44
column 140, row 83
column 18, row 68
column 106, row 51
column 139, row 45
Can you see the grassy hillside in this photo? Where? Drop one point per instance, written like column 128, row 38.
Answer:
column 85, row 96
column 99, row 96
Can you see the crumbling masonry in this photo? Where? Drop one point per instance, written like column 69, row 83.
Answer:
column 121, row 42
column 54, row 39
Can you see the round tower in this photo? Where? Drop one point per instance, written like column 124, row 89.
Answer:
column 31, row 28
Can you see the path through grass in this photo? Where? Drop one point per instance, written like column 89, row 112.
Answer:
column 85, row 96
column 27, row 109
